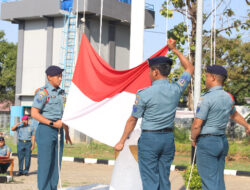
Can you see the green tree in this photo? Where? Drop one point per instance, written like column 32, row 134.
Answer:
column 235, row 55
column 8, row 55
column 229, row 23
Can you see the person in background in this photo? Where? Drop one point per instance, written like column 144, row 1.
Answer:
column 4, row 152
column 25, row 144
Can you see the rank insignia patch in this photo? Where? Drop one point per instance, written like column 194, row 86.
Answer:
column 137, row 99
column 198, row 109
column 134, row 109
column 181, row 82
column 41, row 94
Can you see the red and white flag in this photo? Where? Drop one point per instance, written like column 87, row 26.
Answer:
column 100, row 98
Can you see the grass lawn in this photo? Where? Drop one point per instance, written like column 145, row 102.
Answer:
column 92, row 150
column 238, row 157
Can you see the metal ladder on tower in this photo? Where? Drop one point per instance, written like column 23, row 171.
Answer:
column 68, row 49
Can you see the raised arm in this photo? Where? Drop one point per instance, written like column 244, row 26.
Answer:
column 15, row 126
column 184, row 61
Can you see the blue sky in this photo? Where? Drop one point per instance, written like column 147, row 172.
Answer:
column 154, row 38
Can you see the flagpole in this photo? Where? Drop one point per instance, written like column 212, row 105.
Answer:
column 198, row 53
column 137, row 32
column 198, row 61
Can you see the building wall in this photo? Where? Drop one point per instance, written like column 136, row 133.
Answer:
column 27, row 100
column 57, row 40
column 94, row 37
column 122, row 38
column 34, row 56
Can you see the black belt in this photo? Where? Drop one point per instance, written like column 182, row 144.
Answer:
column 160, row 130
column 25, row 141
column 206, row 135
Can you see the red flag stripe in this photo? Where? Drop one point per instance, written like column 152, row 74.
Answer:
column 98, row 80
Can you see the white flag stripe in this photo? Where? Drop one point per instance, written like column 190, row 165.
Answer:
column 104, row 124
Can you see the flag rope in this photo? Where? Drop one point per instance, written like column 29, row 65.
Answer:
column 191, row 172
column 167, row 24
column 100, row 33
column 192, row 93
column 58, row 156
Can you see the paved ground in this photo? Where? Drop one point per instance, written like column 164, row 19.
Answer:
column 78, row 174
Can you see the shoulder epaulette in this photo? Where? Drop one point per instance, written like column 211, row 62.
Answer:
column 142, row 89
column 232, row 98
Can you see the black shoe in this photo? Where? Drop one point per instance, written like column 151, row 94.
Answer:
column 26, row 174
column 19, row 174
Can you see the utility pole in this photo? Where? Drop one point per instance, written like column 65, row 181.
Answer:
column 137, row 32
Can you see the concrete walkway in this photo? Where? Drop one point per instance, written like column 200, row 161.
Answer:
column 78, row 174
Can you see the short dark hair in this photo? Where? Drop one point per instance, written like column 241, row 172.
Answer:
column 164, row 68
column 221, row 79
